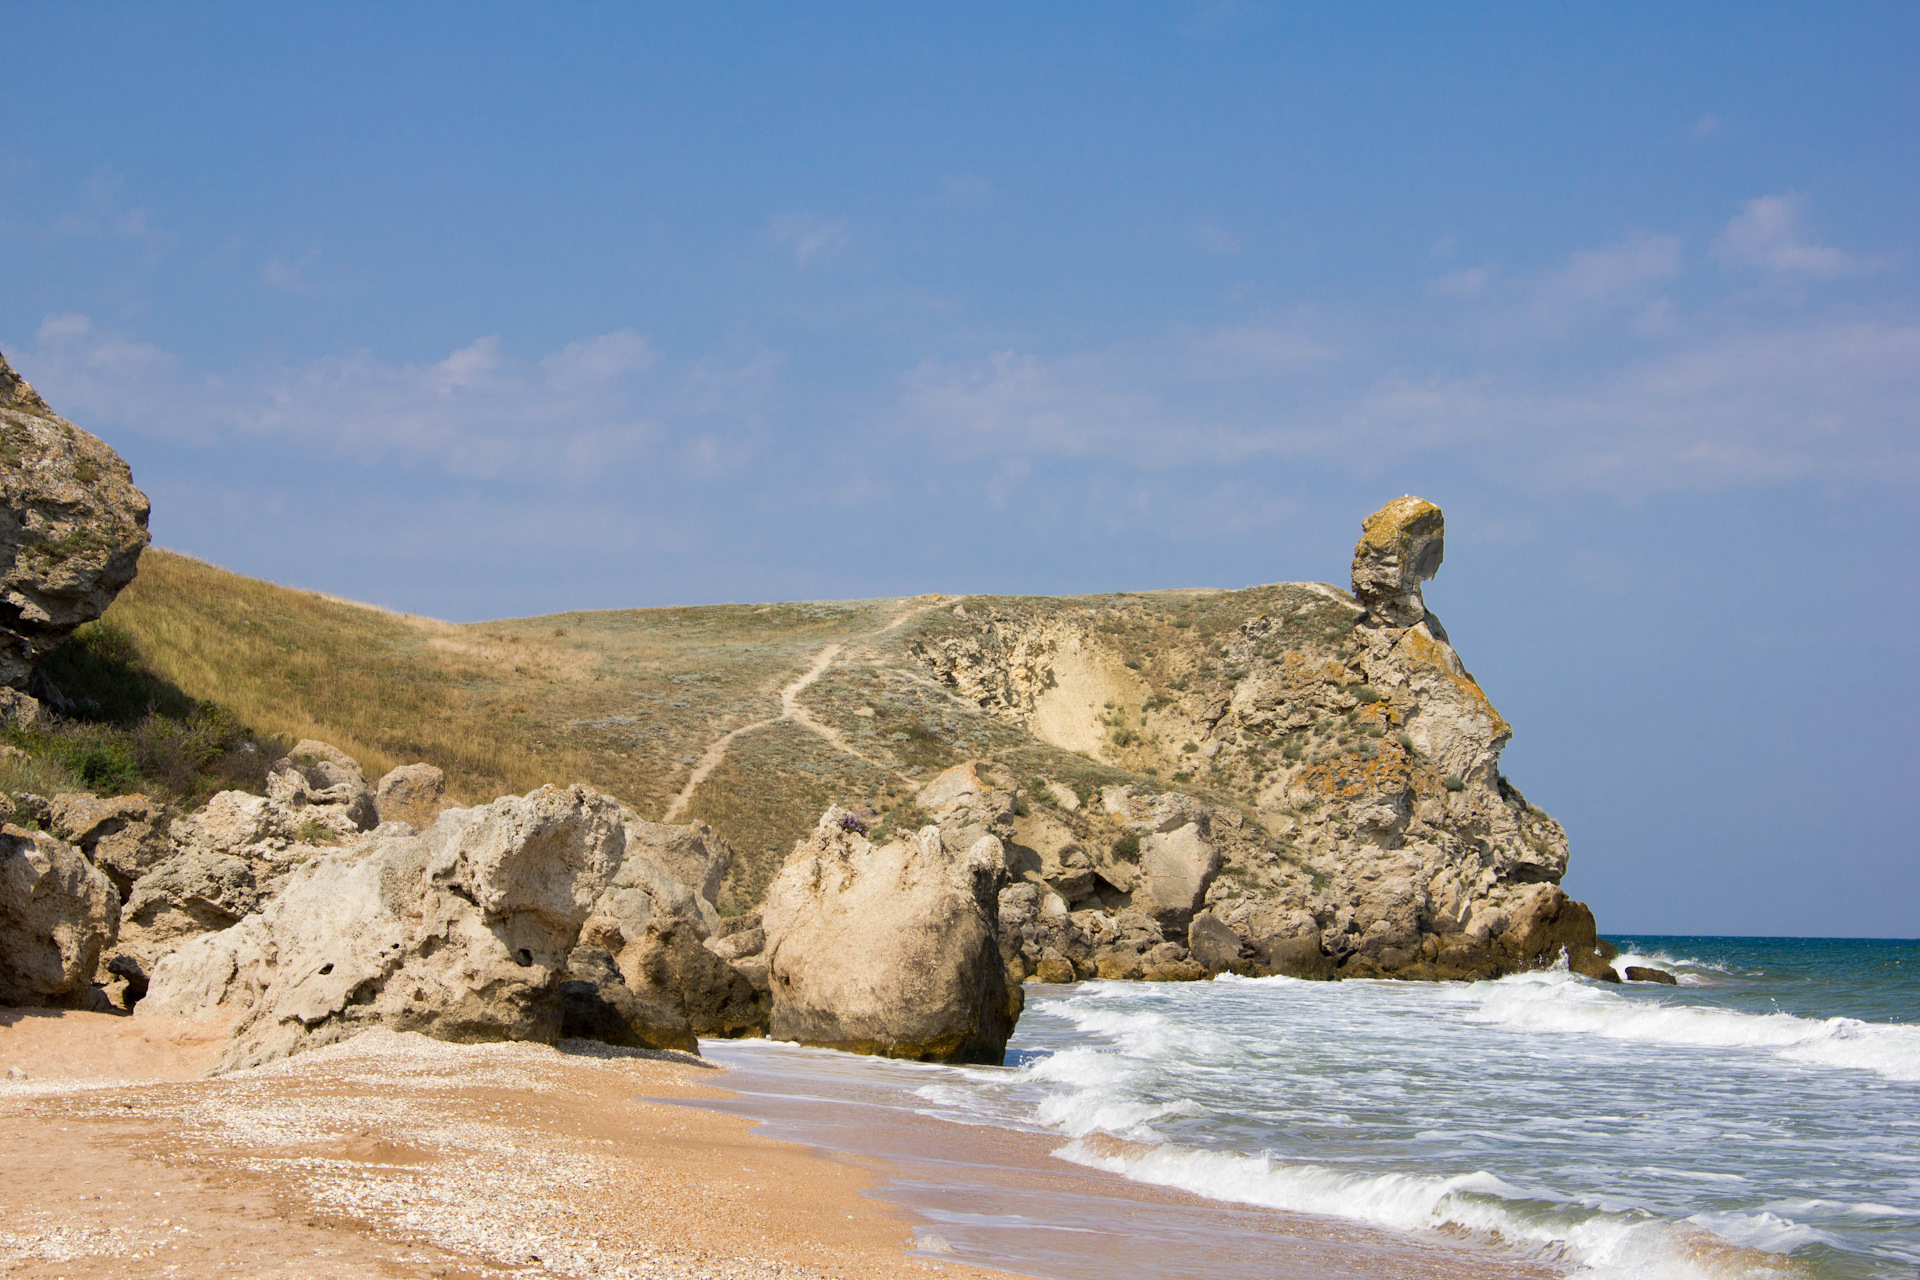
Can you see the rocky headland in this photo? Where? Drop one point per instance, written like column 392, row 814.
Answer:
column 873, row 847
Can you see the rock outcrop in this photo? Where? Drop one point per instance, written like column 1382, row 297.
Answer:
column 463, row 932
column 654, row 920
column 597, row 1004
column 1401, row 545
column 322, row 784
column 890, row 949
column 57, row 914
column 124, row 836
column 72, row 527
column 1368, row 831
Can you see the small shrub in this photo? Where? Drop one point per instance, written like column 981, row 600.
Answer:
column 1127, row 846
column 1293, row 751
column 1454, row 782
column 1183, row 777
column 1405, row 740
column 1133, row 664
column 314, row 831
column 1188, row 748
column 1182, row 623
column 1366, row 693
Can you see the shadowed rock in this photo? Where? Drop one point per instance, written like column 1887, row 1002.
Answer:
column 72, row 527
column 57, row 914
column 597, row 1004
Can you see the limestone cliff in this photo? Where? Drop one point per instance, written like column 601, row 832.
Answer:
column 1332, row 748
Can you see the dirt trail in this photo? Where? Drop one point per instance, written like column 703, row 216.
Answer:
column 791, row 712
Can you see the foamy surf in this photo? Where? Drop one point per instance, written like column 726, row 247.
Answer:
column 1555, row 1001
column 1645, row 1132
column 1592, row 1246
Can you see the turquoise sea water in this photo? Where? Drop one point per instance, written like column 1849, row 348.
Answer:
column 1761, row 1118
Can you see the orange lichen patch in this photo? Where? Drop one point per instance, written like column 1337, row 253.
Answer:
column 1399, row 520
column 1381, row 712
column 1357, row 777
column 1428, row 652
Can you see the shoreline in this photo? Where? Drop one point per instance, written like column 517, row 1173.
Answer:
column 393, row 1155
column 396, row 1156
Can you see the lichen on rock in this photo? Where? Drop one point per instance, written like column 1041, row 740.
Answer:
column 1401, row 545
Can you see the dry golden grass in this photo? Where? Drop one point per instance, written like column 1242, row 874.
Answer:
column 627, row 701
column 616, row 699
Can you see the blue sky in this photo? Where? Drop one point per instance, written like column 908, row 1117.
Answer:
column 479, row 311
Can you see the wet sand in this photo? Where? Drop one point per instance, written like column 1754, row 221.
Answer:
column 398, row 1156
column 1000, row 1198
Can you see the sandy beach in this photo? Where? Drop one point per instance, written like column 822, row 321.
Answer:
column 399, row 1156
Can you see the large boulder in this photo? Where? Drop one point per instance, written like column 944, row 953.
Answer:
column 890, row 949
column 1176, row 868
column 668, row 966
column 597, row 1004
column 322, row 784
column 654, row 917
column 57, row 914
column 413, row 793
column 681, row 867
column 462, row 933
column 197, row 892
column 1401, row 545
column 124, row 836
column 72, row 527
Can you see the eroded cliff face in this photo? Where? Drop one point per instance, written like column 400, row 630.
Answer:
column 72, row 527
column 1330, row 748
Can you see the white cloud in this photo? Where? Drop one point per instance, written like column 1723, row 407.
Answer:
column 1767, row 233
column 596, row 362
column 1706, row 126
column 1831, row 401
column 1614, row 271
column 476, row 413
column 55, row 328
column 1138, row 401
column 812, row 239
column 289, row 274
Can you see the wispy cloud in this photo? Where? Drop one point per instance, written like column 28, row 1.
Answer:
column 293, row 273
column 1769, row 233
column 1614, row 271
column 811, row 239
column 1831, row 400
column 477, row 413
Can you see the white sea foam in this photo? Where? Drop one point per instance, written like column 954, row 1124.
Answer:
column 1373, row 1101
column 1617, row 1246
column 1557, row 1002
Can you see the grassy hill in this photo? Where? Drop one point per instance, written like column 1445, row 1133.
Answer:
column 855, row 702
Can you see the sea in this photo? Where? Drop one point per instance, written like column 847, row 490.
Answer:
column 1759, row 1118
